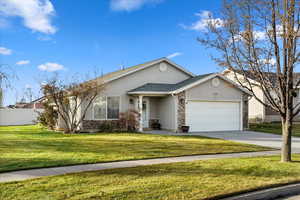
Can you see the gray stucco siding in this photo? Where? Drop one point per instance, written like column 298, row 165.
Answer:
column 166, row 107
column 121, row 86
column 154, row 109
column 206, row 91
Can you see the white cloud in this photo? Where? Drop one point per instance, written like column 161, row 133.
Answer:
column 5, row 51
column 259, row 35
column 279, row 29
column 51, row 67
column 23, row 62
column 28, row 86
column 270, row 61
column 35, row 13
column 130, row 5
column 205, row 19
column 173, row 55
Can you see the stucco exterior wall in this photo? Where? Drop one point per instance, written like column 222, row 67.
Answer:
column 152, row 74
column 272, row 116
column 224, row 92
column 256, row 109
column 154, row 108
column 166, row 107
column 206, row 91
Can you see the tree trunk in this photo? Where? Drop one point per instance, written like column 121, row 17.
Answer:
column 286, row 150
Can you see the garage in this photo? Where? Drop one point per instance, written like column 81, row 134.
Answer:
column 213, row 115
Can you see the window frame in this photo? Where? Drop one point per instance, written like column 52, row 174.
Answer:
column 106, row 106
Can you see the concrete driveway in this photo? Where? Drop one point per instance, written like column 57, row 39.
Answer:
column 251, row 137
column 248, row 137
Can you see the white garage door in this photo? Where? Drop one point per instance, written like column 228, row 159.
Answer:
column 213, row 116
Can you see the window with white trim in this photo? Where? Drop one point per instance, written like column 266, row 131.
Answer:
column 106, row 108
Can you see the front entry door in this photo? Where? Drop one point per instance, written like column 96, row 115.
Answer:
column 145, row 113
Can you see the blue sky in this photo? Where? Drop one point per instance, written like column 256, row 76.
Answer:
column 39, row 37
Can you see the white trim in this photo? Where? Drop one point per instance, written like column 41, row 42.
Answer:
column 230, row 71
column 194, row 83
column 140, row 106
column 147, row 92
column 235, row 84
column 220, row 101
column 93, row 111
column 211, row 100
column 176, row 111
column 225, row 101
column 106, row 117
column 151, row 64
column 147, row 100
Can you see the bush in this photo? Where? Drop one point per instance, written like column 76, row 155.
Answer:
column 129, row 120
column 107, row 127
column 48, row 117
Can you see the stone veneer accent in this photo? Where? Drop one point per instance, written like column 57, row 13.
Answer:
column 181, row 110
column 245, row 111
column 98, row 124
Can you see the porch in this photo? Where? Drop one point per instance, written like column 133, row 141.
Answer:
column 155, row 109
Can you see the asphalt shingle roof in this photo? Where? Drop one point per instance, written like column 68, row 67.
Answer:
column 121, row 72
column 162, row 87
column 271, row 75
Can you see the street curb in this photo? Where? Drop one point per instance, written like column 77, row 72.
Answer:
column 269, row 194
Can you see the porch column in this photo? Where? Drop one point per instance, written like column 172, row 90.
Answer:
column 141, row 113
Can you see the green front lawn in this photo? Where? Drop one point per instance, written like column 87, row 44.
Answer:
column 23, row 147
column 179, row 181
column 274, row 128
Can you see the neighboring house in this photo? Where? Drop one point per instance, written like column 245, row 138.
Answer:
column 163, row 91
column 35, row 104
column 257, row 111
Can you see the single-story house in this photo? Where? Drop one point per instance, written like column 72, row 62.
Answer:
column 163, row 91
column 257, row 111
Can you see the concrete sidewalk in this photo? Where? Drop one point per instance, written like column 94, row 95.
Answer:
column 36, row 173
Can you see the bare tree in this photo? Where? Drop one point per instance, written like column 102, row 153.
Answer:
column 6, row 75
column 259, row 39
column 71, row 100
column 28, row 94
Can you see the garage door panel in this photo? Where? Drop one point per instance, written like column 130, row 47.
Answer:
column 213, row 116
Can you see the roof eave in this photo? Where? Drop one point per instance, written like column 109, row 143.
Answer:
column 193, row 84
column 147, row 92
column 208, row 78
column 151, row 64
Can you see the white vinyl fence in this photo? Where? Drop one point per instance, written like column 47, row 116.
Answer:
column 18, row 116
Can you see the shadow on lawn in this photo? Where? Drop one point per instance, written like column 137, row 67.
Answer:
column 183, row 170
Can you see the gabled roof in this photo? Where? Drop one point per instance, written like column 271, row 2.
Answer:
column 124, row 72
column 154, row 87
column 271, row 75
column 161, row 88
column 191, row 80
